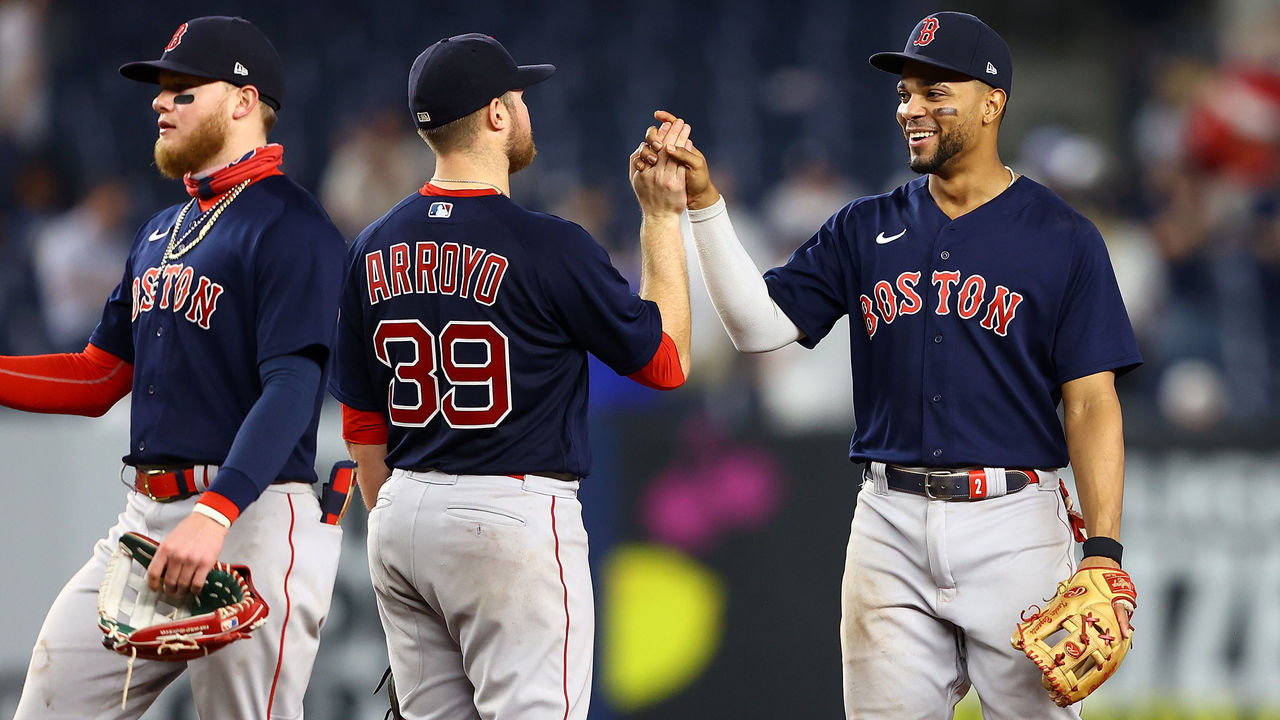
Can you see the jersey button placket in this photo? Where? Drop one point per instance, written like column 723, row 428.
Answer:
column 935, row 427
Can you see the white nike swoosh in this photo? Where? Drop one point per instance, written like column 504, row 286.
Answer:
column 881, row 239
column 159, row 235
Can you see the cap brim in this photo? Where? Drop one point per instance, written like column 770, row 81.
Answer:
column 892, row 62
column 527, row 75
column 148, row 71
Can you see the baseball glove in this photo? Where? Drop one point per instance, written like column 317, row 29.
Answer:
column 139, row 622
column 1081, row 622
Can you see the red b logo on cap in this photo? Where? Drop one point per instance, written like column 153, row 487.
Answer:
column 177, row 37
column 928, row 27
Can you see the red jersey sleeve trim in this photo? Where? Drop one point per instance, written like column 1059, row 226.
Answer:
column 430, row 190
column 663, row 371
column 363, row 427
column 84, row 383
column 220, row 503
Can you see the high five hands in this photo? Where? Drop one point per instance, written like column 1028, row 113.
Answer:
column 699, row 190
column 660, row 185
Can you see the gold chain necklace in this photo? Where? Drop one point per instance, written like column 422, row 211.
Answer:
column 173, row 252
column 473, row 182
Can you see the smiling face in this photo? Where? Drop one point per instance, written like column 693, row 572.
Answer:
column 193, row 121
column 941, row 114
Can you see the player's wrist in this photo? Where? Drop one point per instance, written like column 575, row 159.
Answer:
column 219, row 503
column 1103, row 547
column 212, row 514
column 715, row 209
column 705, row 198
column 664, row 216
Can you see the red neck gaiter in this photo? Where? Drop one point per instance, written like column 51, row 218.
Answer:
column 259, row 163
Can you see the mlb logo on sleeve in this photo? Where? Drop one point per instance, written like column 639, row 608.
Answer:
column 440, row 210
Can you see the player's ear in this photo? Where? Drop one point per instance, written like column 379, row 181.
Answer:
column 993, row 105
column 497, row 115
column 246, row 99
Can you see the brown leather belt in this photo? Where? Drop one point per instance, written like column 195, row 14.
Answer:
column 170, row 484
column 950, row 484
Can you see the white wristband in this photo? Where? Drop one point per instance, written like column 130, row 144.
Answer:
column 213, row 515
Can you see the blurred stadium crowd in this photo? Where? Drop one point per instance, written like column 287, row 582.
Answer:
column 1159, row 120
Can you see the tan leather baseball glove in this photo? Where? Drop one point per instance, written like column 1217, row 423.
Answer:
column 1080, row 622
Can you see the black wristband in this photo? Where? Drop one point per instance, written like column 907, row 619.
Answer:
column 1103, row 547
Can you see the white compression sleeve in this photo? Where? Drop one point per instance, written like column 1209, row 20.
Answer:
column 753, row 320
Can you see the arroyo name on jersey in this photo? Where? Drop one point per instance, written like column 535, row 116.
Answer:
column 899, row 299
column 435, row 268
column 176, row 293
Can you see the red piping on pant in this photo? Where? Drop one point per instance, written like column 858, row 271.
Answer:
column 288, row 606
column 565, row 666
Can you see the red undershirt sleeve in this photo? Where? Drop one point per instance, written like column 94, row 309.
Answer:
column 83, row 383
column 363, row 427
column 663, row 371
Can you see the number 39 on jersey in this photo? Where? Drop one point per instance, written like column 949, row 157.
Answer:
column 471, row 356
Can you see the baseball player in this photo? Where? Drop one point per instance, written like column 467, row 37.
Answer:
column 461, row 364
column 984, row 301
column 221, row 327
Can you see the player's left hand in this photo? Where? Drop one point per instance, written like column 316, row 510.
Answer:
column 1122, row 610
column 186, row 555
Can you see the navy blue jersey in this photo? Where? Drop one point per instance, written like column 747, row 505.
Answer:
column 467, row 320
column 264, row 282
column 965, row 329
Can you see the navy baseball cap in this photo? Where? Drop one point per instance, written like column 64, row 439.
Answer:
column 219, row 48
column 461, row 74
column 954, row 41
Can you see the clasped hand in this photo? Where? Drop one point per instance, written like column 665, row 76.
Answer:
column 660, row 184
column 669, row 142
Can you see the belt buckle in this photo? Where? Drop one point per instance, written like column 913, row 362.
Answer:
column 145, row 476
column 929, row 492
